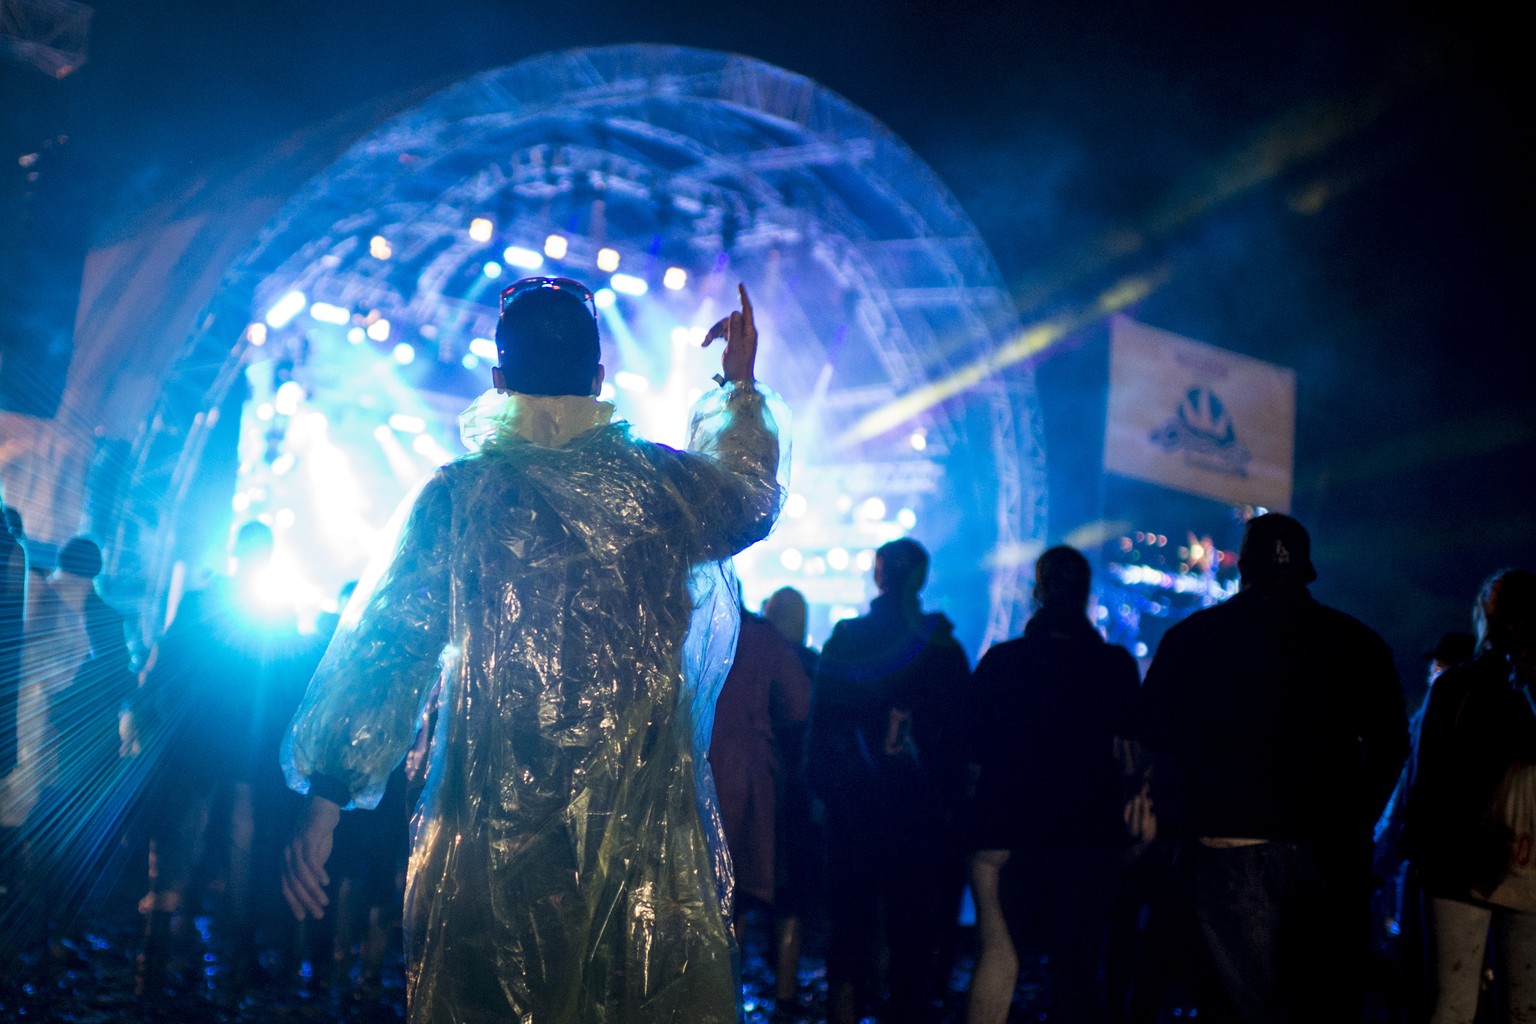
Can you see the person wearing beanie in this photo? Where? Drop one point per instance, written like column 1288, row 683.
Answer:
column 1285, row 721
column 560, row 585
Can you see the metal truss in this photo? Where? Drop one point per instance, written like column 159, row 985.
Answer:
column 692, row 158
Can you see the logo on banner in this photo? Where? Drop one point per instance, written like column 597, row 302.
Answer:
column 1201, row 429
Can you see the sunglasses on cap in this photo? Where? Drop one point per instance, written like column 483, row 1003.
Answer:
column 517, row 289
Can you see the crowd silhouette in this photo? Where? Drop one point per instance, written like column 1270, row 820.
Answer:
column 1200, row 842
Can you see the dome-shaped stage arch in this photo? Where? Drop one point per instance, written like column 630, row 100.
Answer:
column 663, row 175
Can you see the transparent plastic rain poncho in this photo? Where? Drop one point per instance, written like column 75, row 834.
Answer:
column 566, row 857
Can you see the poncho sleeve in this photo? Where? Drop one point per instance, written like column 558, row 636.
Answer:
column 359, row 715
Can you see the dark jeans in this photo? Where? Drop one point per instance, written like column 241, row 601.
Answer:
column 1287, row 928
column 1058, row 902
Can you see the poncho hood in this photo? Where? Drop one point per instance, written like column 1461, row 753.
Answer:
column 550, row 421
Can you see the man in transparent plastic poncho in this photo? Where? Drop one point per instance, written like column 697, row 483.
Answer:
column 565, row 863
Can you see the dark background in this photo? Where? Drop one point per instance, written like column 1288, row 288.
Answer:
column 1342, row 191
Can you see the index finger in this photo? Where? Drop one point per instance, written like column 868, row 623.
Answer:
column 746, row 303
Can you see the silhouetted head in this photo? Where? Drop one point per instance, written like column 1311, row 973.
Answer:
column 901, row 568
column 1453, row 649
column 80, row 557
column 1062, row 578
column 786, row 610
column 1275, row 549
column 546, row 339
column 1505, row 615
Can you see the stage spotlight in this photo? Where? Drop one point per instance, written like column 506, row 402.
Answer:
column 485, row 348
column 284, row 518
column 241, row 502
column 795, row 505
column 288, row 398
column 407, row 424
column 864, row 561
column 285, row 309
column 492, row 269
column 791, row 559
column 379, row 330
column 470, row 361
column 356, row 335
column 675, row 279
column 405, row 354
column 283, row 464
column 907, row 518
column 837, row 558
column 480, row 229
column 265, row 412
column 329, row 314
column 604, row 298
column 631, row 381
column 379, row 248
column 872, row 508
column 608, row 259
column 918, row 440
column 606, row 392
column 256, row 334
column 555, row 247
column 524, row 259
column 628, row 284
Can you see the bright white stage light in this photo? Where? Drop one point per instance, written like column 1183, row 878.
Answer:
column 379, row 248
column 679, row 335
column 628, row 284
column 631, row 381
column 864, row 561
column 285, row 309
column 356, row 335
column 284, row 518
column 608, row 259
column 470, row 361
column 283, row 464
column 606, row 392
column 526, row 259
column 256, row 333
column 918, row 440
column 843, row 611
column 795, row 505
column 329, row 314
column 791, row 559
column 872, row 508
column 265, row 412
column 675, row 279
column 555, row 247
column 481, row 229
column 604, row 298
column 405, row 354
column 906, row 518
column 407, row 424
column 837, row 558
column 492, row 269
column 379, row 330
column 241, row 502
column 288, row 398
column 485, row 348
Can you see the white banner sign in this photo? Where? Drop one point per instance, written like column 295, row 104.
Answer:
column 1197, row 418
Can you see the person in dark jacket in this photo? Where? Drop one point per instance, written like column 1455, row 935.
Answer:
column 1479, row 724
column 1286, row 720
column 1047, row 818
column 885, row 758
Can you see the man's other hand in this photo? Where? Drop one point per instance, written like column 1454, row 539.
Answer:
column 304, row 877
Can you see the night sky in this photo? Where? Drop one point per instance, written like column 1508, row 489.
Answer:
column 1340, row 191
